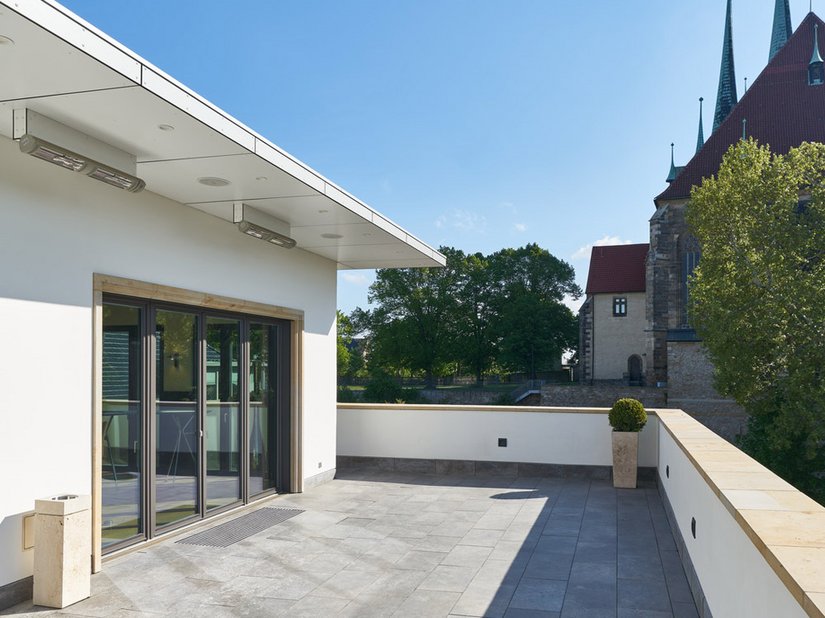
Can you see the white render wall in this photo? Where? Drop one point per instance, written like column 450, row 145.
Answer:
column 735, row 577
column 57, row 228
column 534, row 435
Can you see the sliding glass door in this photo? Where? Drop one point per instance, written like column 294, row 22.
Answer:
column 122, row 430
column 195, row 415
column 177, row 423
column 223, row 412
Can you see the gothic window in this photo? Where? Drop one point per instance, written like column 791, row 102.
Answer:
column 619, row 306
column 689, row 264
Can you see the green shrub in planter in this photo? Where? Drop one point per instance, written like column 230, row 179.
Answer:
column 627, row 415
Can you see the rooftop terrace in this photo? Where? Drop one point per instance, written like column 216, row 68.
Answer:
column 430, row 516
column 398, row 544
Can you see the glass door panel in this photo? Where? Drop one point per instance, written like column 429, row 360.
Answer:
column 122, row 515
column 263, row 402
column 223, row 412
column 177, row 430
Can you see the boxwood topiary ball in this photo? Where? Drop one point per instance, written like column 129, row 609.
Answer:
column 627, row 415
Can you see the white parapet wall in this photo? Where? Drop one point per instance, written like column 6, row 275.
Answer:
column 565, row 436
column 755, row 543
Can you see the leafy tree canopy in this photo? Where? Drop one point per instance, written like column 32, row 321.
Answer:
column 476, row 312
column 758, row 300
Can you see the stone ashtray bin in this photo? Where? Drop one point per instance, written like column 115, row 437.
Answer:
column 62, row 550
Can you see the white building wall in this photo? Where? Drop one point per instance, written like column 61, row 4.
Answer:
column 568, row 436
column 615, row 339
column 57, row 229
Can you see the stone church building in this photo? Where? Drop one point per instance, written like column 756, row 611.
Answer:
column 783, row 107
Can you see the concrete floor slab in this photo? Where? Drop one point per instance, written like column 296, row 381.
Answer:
column 411, row 544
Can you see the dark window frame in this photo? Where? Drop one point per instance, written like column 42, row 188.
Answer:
column 283, row 329
column 620, row 306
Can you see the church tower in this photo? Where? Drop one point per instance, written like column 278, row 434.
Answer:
column 726, row 95
column 781, row 27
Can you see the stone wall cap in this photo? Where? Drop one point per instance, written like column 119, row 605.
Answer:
column 62, row 504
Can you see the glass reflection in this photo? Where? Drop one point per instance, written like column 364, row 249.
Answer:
column 121, row 431
column 262, row 408
column 176, row 416
column 223, row 437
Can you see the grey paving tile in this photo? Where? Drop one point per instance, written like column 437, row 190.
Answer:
column 484, row 600
column 540, row 594
column 638, row 594
column 467, row 556
column 260, row 606
column 642, row 613
column 593, row 574
column 685, row 610
column 418, row 560
column 427, row 603
column 312, row 606
column 644, row 566
column 587, row 595
column 482, row 537
column 433, row 542
column 448, row 578
column 596, row 552
column 514, row 612
column 346, row 584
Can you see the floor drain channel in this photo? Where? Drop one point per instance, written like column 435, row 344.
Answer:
column 241, row 528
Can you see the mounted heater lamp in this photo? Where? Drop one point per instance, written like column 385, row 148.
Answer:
column 51, row 141
column 262, row 226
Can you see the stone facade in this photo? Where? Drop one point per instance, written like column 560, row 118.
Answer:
column 679, row 364
column 599, row 395
column 617, row 339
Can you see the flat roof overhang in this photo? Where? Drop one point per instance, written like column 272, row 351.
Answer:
column 64, row 68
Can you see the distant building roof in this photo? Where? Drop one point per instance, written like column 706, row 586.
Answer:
column 780, row 108
column 617, row 268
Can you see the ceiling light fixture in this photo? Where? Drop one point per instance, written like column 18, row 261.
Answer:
column 262, row 226
column 213, row 181
column 39, row 137
column 166, row 127
column 4, row 40
column 331, row 236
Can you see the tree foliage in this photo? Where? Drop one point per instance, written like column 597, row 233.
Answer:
column 533, row 325
column 479, row 311
column 758, row 300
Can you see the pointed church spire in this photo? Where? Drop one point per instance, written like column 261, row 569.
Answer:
column 700, row 139
column 674, row 171
column 726, row 95
column 816, row 67
column 781, row 27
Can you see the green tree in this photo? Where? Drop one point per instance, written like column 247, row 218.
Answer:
column 345, row 332
column 533, row 325
column 412, row 325
column 758, row 300
column 474, row 341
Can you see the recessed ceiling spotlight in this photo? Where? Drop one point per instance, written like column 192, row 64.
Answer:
column 331, row 236
column 166, row 127
column 323, row 211
column 262, row 178
column 4, row 40
column 213, row 181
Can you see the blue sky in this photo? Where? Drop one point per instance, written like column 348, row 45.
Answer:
column 472, row 123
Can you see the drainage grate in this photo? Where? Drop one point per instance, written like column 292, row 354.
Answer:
column 241, row 528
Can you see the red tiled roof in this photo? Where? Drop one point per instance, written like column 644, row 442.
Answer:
column 617, row 268
column 781, row 110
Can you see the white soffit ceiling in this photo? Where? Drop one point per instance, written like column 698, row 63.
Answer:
column 65, row 69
